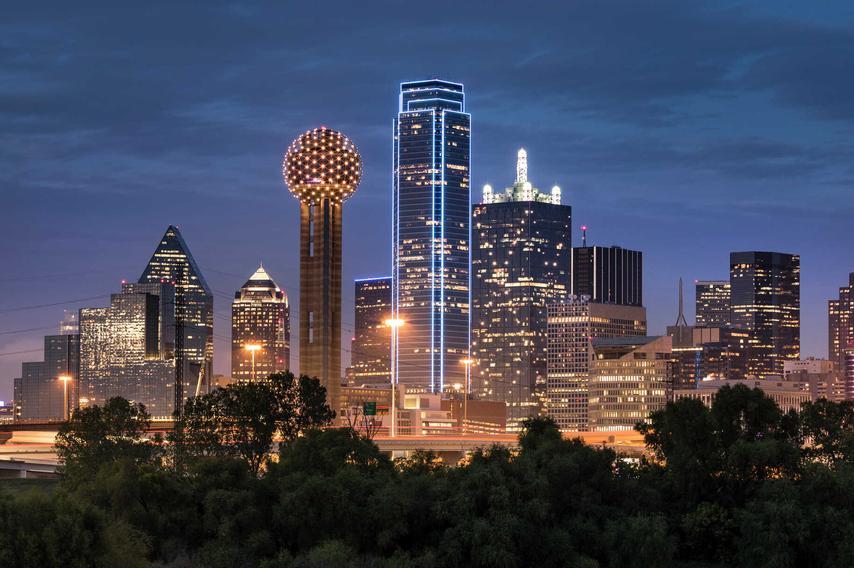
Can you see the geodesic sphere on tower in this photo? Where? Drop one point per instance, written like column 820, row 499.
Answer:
column 322, row 163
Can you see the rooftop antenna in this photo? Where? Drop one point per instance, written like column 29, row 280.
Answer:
column 680, row 319
column 584, row 235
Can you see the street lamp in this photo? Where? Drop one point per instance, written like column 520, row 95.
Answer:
column 252, row 348
column 467, row 362
column 394, row 324
column 65, row 379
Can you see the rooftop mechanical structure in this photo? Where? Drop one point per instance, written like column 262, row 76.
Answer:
column 322, row 168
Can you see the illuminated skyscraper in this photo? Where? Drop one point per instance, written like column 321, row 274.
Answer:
column 430, row 240
column 766, row 302
column 322, row 168
column 128, row 349
column 371, row 342
column 840, row 334
column 573, row 324
column 840, row 323
column 260, row 329
column 629, row 380
column 172, row 262
column 520, row 264
column 611, row 275
column 712, row 303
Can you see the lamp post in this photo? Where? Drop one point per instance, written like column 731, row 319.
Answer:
column 252, row 348
column 467, row 362
column 65, row 379
column 394, row 324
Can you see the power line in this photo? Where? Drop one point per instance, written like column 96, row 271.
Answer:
column 53, row 304
column 20, row 352
column 14, row 331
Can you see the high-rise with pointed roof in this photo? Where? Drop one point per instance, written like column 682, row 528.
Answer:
column 520, row 264
column 260, row 329
column 172, row 262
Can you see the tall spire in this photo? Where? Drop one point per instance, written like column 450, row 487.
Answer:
column 680, row 319
column 521, row 166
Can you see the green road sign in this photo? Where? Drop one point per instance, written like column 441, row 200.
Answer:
column 369, row 408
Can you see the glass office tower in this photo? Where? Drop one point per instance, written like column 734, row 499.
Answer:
column 371, row 341
column 712, row 303
column 611, row 275
column 40, row 393
column 766, row 302
column 260, row 329
column 128, row 349
column 840, row 324
column 430, row 241
column 173, row 263
column 520, row 264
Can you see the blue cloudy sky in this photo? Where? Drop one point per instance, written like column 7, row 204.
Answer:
column 684, row 129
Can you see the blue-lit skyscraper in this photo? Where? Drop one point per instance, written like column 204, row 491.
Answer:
column 430, row 256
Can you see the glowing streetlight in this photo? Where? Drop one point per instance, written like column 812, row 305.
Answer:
column 467, row 362
column 394, row 324
column 65, row 379
column 252, row 348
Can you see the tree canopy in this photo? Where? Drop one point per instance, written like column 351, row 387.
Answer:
column 737, row 484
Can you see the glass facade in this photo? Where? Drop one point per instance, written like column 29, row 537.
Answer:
column 712, row 303
column 128, row 349
column 630, row 379
column 39, row 392
column 430, row 241
column 260, row 320
column 707, row 353
column 612, row 275
column 766, row 302
column 371, row 342
column 573, row 324
column 173, row 263
column 840, row 320
column 520, row 264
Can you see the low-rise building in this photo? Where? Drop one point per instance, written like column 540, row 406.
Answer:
column 789, row 395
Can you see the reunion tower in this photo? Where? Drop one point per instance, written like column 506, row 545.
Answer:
column 322, row 168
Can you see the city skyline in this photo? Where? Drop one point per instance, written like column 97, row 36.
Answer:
column 613, row 185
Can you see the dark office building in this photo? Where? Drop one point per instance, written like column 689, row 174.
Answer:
column 46, row 387
column 371, row 347
column 430, row 225
column 712, row 301
column 611, row 275
column 520, row 264
column 766, row 302
column 173, row 263
column 701, row 352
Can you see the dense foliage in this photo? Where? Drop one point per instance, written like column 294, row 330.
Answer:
column 741, row 484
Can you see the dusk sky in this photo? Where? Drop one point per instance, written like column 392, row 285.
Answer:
column 686, row 130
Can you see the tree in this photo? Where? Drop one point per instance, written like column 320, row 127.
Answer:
column 828, row 429
column 300, row 404
column 101, row 434
column 59, row 530
column 742, row 413
column 238, row 421
column 683, row 435
column 243, row 420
